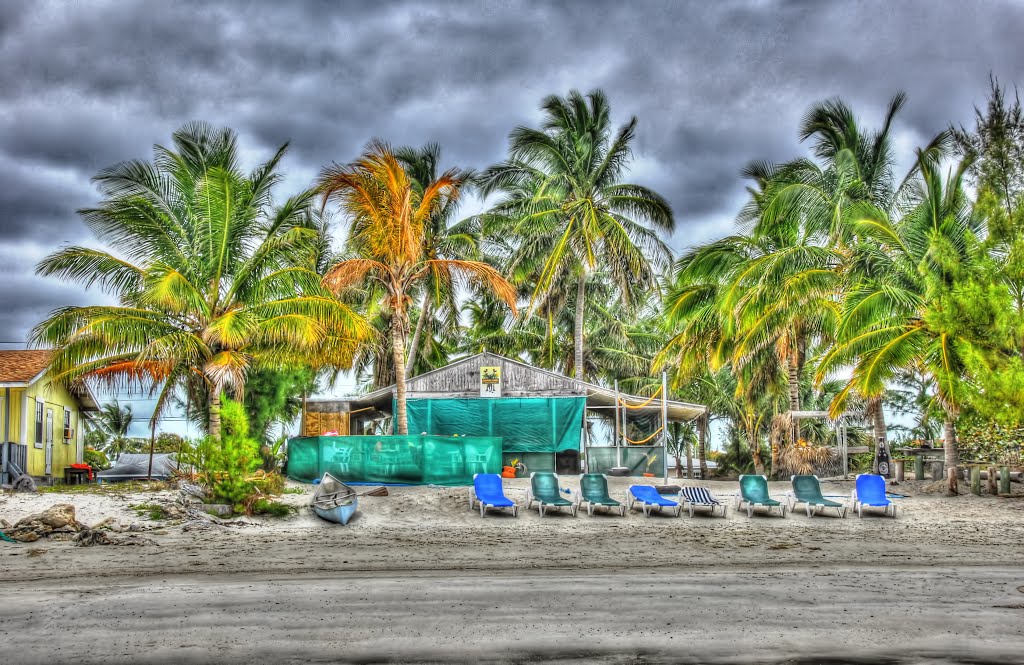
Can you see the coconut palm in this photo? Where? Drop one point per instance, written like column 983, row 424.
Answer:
column 113, row 422
column 211, row 278
column 566, row 212
column 388, row 217
column 893, row 319
column 443, row 238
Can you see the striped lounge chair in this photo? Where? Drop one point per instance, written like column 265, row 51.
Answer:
column 700, row 497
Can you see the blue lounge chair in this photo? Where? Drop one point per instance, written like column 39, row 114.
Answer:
column 648, row 498
column 545, row 491
column 487, row 491
column 870, row 491
column 700, row 497
column 754, row 492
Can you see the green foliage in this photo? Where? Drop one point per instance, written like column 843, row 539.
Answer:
column 862, row 462
column 96, row 459
column 272, row 508
column 981, row 439
column 153, row 511
column 226, row 462
column 212, row 277
column 274, row 396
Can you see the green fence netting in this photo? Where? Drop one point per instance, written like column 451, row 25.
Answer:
column 525, row 424
column 417, row 460
column 639, row 459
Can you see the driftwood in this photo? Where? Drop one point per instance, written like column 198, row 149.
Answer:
column 58, row 523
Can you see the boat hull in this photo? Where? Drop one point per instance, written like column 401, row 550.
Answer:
column 337, row 514
column 334, row 501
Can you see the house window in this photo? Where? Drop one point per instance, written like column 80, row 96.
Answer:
column 67, row 426
column 39, row 424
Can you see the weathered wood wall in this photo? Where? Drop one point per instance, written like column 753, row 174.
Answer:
column 462, row 379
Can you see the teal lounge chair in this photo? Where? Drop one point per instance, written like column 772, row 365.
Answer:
column 807, row 490
column 754, row 492
column 594, row 492
column 545, row 491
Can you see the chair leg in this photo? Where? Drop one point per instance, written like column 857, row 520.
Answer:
column 483, row 509
column 515, row 510
column 750, row 510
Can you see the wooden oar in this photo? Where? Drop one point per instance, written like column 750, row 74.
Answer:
column 376, row 491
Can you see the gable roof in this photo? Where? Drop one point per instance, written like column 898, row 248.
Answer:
column 597, row 396
column 23, row 366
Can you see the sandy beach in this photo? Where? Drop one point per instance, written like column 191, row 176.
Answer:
column 418, row 577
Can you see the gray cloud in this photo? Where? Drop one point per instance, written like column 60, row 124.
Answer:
column 714, row 86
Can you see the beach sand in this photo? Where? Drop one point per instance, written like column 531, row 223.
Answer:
column 418, row 577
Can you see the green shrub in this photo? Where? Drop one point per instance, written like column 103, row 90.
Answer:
column 226, row 462
column 990, row 441
column 272, row 508
column 97, row 459
column 152, row 510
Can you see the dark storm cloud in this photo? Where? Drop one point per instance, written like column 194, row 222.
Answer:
column 714, row 86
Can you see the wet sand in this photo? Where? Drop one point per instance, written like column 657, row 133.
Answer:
column 417, row 577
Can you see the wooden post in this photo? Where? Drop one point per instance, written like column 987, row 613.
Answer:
column 664, row 422
column 918, row 467
column 1004, row 480
column 992, row 482
column 976, row 480
column 618, row 442
column 951, row 476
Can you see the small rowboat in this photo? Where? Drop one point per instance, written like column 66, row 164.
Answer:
column 334, row 501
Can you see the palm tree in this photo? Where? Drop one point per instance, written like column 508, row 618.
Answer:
column 567, row 212
column 211, row 278
column 388, row 218
column 113, row 422
column 893, row 320
column 442, row 239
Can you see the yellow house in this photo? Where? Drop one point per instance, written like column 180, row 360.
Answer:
column 46, row 418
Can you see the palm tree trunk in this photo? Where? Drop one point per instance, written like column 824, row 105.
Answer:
column 689, row 461
column 702, row 450
column 750, row 424
column 794, row 395
column 426, row 310
column 398, row 350
column 213, row 402
column 952, row 454
column 877, row 426
column 578, row 332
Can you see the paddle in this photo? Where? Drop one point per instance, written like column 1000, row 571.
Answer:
column 376, row 491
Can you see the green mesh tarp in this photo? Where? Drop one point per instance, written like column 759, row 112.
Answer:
column 417, row 460
column 525, row 424
column 637, row 458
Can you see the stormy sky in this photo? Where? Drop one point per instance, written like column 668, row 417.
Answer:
column 714, row 85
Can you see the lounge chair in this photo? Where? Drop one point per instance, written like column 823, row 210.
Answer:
column 870, row 491
column 594, row 492
column 648, row 497
column 700, row 497
column 754, row 492
column 487, row 491
column 807, row 490
column 545, row 491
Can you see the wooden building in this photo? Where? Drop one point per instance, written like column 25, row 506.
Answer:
column 539, row 414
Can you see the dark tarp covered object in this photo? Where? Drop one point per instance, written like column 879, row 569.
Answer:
column 134, row 466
